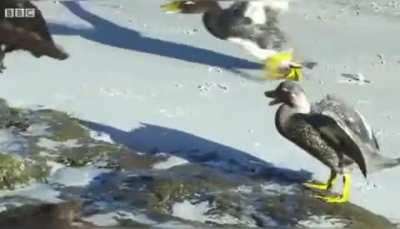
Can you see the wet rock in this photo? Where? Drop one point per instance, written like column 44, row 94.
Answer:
column 185, row 182
column 32, row 139
column 304, row 211
column 12, row 117
column 44, row 216
column 16, row 171
column 62, row 126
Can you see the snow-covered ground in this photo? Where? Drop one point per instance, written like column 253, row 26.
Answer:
column 161, row 81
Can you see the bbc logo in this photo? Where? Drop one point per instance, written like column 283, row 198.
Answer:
column 19, row 13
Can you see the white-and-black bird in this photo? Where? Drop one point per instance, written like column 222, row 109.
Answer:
column 26, row 33
column 331, row 131
column 251, row 24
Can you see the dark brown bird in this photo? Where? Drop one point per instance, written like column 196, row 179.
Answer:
column 331, row 131
column 26, row 33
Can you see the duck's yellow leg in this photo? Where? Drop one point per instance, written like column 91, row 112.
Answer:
column 344, row 197
column 295, row 72
column 322, row 185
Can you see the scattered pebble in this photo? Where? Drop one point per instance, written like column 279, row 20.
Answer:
column 191, row 32
column 223, row 87
column 357, row 78
column 206, row 87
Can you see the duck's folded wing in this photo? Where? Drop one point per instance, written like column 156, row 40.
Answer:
column 349, row 117
column 339, row 137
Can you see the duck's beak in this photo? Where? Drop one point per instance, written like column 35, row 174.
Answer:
column 273, row 95
column 172, row 7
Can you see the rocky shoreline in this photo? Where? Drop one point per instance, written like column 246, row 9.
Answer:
column 99, row 183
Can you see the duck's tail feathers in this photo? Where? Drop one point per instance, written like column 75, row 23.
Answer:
column 379, row 163
column 390, row 163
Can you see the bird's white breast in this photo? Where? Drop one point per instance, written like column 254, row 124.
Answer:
column 253, row 48
column 256, row 9
column 256, row 12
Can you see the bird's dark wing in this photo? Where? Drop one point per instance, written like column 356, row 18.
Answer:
column 30, row 34
column 35, row 24
column 22, row 39
column 348, row 116
column 339, row 137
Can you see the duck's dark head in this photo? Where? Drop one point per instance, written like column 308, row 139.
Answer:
column 289, row 93
column 191, row 6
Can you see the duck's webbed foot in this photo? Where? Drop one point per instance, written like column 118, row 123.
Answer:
column 344, row 197
column 172, row 6
column 316, row 185
column 322, row 185
column 281, row 66
column 333, row 198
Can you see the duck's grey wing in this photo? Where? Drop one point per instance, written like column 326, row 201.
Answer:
column 348, row 116
column 225, row 24
column 339, row 137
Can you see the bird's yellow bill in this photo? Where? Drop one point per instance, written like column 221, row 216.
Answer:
column 274, row 70
column 172, row 7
